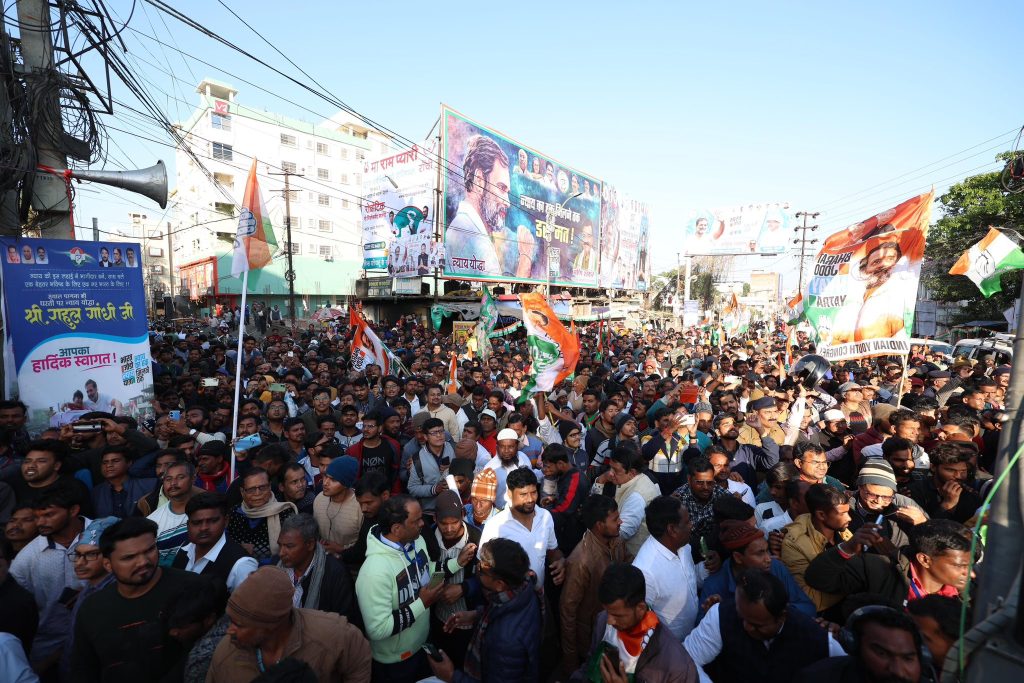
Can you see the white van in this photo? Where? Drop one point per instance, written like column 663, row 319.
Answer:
column 999, row 345
column 935, row 345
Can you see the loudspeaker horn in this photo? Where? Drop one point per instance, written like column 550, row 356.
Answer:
column 150, row 182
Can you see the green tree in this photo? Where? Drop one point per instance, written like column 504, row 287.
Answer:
column 969, row 208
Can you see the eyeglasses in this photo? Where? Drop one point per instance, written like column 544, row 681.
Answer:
column 817, row 463
column 435, row 432
column 874, row 496
column 263, row 488
column 90, row 555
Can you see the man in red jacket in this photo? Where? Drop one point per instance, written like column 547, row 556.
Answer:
column 377, row 452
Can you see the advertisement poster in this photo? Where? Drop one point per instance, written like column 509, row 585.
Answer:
column 863, row 293
column 508, row 208
column 398, row 229
column 748, row 229
column 76, row 330
column 625, row 229
column 461, row 331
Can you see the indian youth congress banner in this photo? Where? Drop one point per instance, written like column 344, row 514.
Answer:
column 510, row 211
column 747, row 229
column 863, row 294
column 625, row 229
column 398, row 230
column 75, row 322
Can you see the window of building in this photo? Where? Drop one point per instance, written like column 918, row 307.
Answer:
column 220, row 121
column 344, row 178
column 326, row 250
column 314, row 249
column 225, row 180
column 343, row 153
column 323, row 174
column 296, row 222
column 289, row 140
column 294, row 247
column 359, row 178
column 223, row 152
column 344, row 203
column 289, row 167
column 322, row 148
column 325, row 226
column 360, row 155
column 323, row 200
column 311, row 223
column 225, row 208
column 293, row 195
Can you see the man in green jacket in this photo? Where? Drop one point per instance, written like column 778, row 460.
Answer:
column 394, row 592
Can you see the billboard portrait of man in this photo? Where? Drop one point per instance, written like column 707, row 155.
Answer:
column 480, row 234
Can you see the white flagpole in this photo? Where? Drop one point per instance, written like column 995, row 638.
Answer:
column 238, row 371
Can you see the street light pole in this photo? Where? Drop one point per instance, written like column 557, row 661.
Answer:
column 290, row 275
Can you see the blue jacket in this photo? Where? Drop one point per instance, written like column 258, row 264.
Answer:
column 103, row 496
column 511, row 643
column 723, row 583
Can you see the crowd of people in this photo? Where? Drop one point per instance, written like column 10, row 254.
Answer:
column 683, row 508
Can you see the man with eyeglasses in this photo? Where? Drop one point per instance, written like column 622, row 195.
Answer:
column 430, row 465
column 876, row 496
column 813, row 466
column 87, row 561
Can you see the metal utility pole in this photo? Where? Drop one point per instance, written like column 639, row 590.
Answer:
column 290, row 273
column 803, row 242
column 49, row 191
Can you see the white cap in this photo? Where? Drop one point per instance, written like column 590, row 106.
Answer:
column 833, row 415
column 509, row 434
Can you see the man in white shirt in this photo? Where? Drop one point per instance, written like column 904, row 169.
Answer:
column 667, row 564
column 209, row 552
column 530, row 526
column 508, row 459
column 435, row 408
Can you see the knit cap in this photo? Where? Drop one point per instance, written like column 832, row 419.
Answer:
column 877, row 472
column 735, row 534
column 344, row 470
column 566, row 426
column 263, row 600
column 447, row 505
column 466, row 449
column 485, row 485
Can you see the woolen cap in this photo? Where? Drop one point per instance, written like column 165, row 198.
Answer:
column 263, row 600
column 485, row 485
column 566, row 426
column 877, row 472
column 344, row 470
column 448, row 504
column 735, row 534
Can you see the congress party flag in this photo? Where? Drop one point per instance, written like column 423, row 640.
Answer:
column 553, row 350
column 987, row 260
column 254, row 240
column 485, row 325
column 796, row 307
column 863, row 295
column 368, row 349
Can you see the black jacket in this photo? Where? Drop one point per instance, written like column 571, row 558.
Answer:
column 862, row 573
column 337, row 592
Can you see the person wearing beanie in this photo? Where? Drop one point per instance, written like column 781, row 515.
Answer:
column 336, row 509
column 571, row 435
column 451, row 546
column 508, row 458
column 482, row 496
column 266, row 628
column 876, row 496
column 748, row 549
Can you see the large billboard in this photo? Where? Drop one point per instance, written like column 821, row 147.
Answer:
column 510, row 211
column 863, row 295
column 398, row 230
column 747, row 229
column 76, row 331
column 625, row 232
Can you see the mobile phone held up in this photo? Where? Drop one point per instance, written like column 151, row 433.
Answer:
column 86, row 427
column 174, row 415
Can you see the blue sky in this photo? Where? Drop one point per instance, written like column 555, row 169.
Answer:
column 680, row 105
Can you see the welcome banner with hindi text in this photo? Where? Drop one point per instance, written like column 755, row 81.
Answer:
column 863, row 294
column 526, row 211
column 76, row 330
column 746, row 229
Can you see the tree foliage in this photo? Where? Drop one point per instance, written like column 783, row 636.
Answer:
column 969, row 208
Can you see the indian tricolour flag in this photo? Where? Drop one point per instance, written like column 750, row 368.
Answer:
column 553, row 350
column 796, row 307
column 987, row 260
column 254, row 240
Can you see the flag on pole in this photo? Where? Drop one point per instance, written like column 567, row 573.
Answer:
column 255, row 243
column 368, row 349
column 600, row 340
column 987, row 260
column 796, row 307
column 485, row 325
column 453, row 373
column 553, row 351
